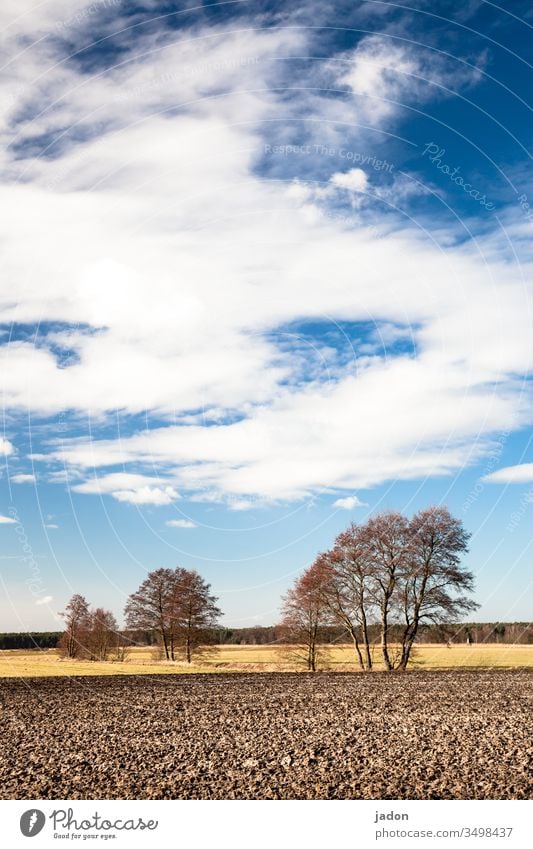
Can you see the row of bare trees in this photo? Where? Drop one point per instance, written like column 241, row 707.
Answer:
column 390, row 576
column 90, row 634
column 391, row 572
column 176, row 605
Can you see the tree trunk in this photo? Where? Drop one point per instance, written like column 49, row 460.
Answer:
column 165, row 644
column 366, row 644
column 353, row 635
column 312, row 638
column 411, row 629
column 384, row 640
column 409, row 638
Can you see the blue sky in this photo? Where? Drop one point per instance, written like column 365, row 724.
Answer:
column 266, row 271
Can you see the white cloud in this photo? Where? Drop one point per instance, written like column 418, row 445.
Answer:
column 348, row 503
column 181, row 523
column 46, row 599
column 6, row 447
column 512, row 474
column 6, row 520
column 174, row 264
column 317, row 438
column 382, row 71
column 147, row 495
column 51, row 526
column 385, row 74
column 354, row 180
column 22, row 478
column 132, row 488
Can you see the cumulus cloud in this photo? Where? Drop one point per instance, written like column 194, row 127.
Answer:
column 522, row 473
column 131, row 488
column 6, row 447
column 22, row 478
column 147, row 495
column 348, row 503
column 354, row 180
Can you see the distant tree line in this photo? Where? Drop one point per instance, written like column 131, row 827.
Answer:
column 510, row 633
column 506, row 633
column 31, row 640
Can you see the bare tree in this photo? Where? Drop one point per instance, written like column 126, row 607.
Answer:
column 122, row 647
column 177, row 605
column 194, row 611
column 349, row 588
column 435, row 582
column 392, row 575
column 102, row 634
column 385, row 538
column 304, row 612
column 73, row 642
column 150, row 608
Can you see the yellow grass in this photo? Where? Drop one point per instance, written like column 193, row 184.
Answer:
column 28, row 663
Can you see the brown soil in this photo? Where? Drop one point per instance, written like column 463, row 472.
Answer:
column 421, row 735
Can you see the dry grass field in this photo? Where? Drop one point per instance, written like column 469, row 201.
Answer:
column 460, row 734
column 142, row 661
